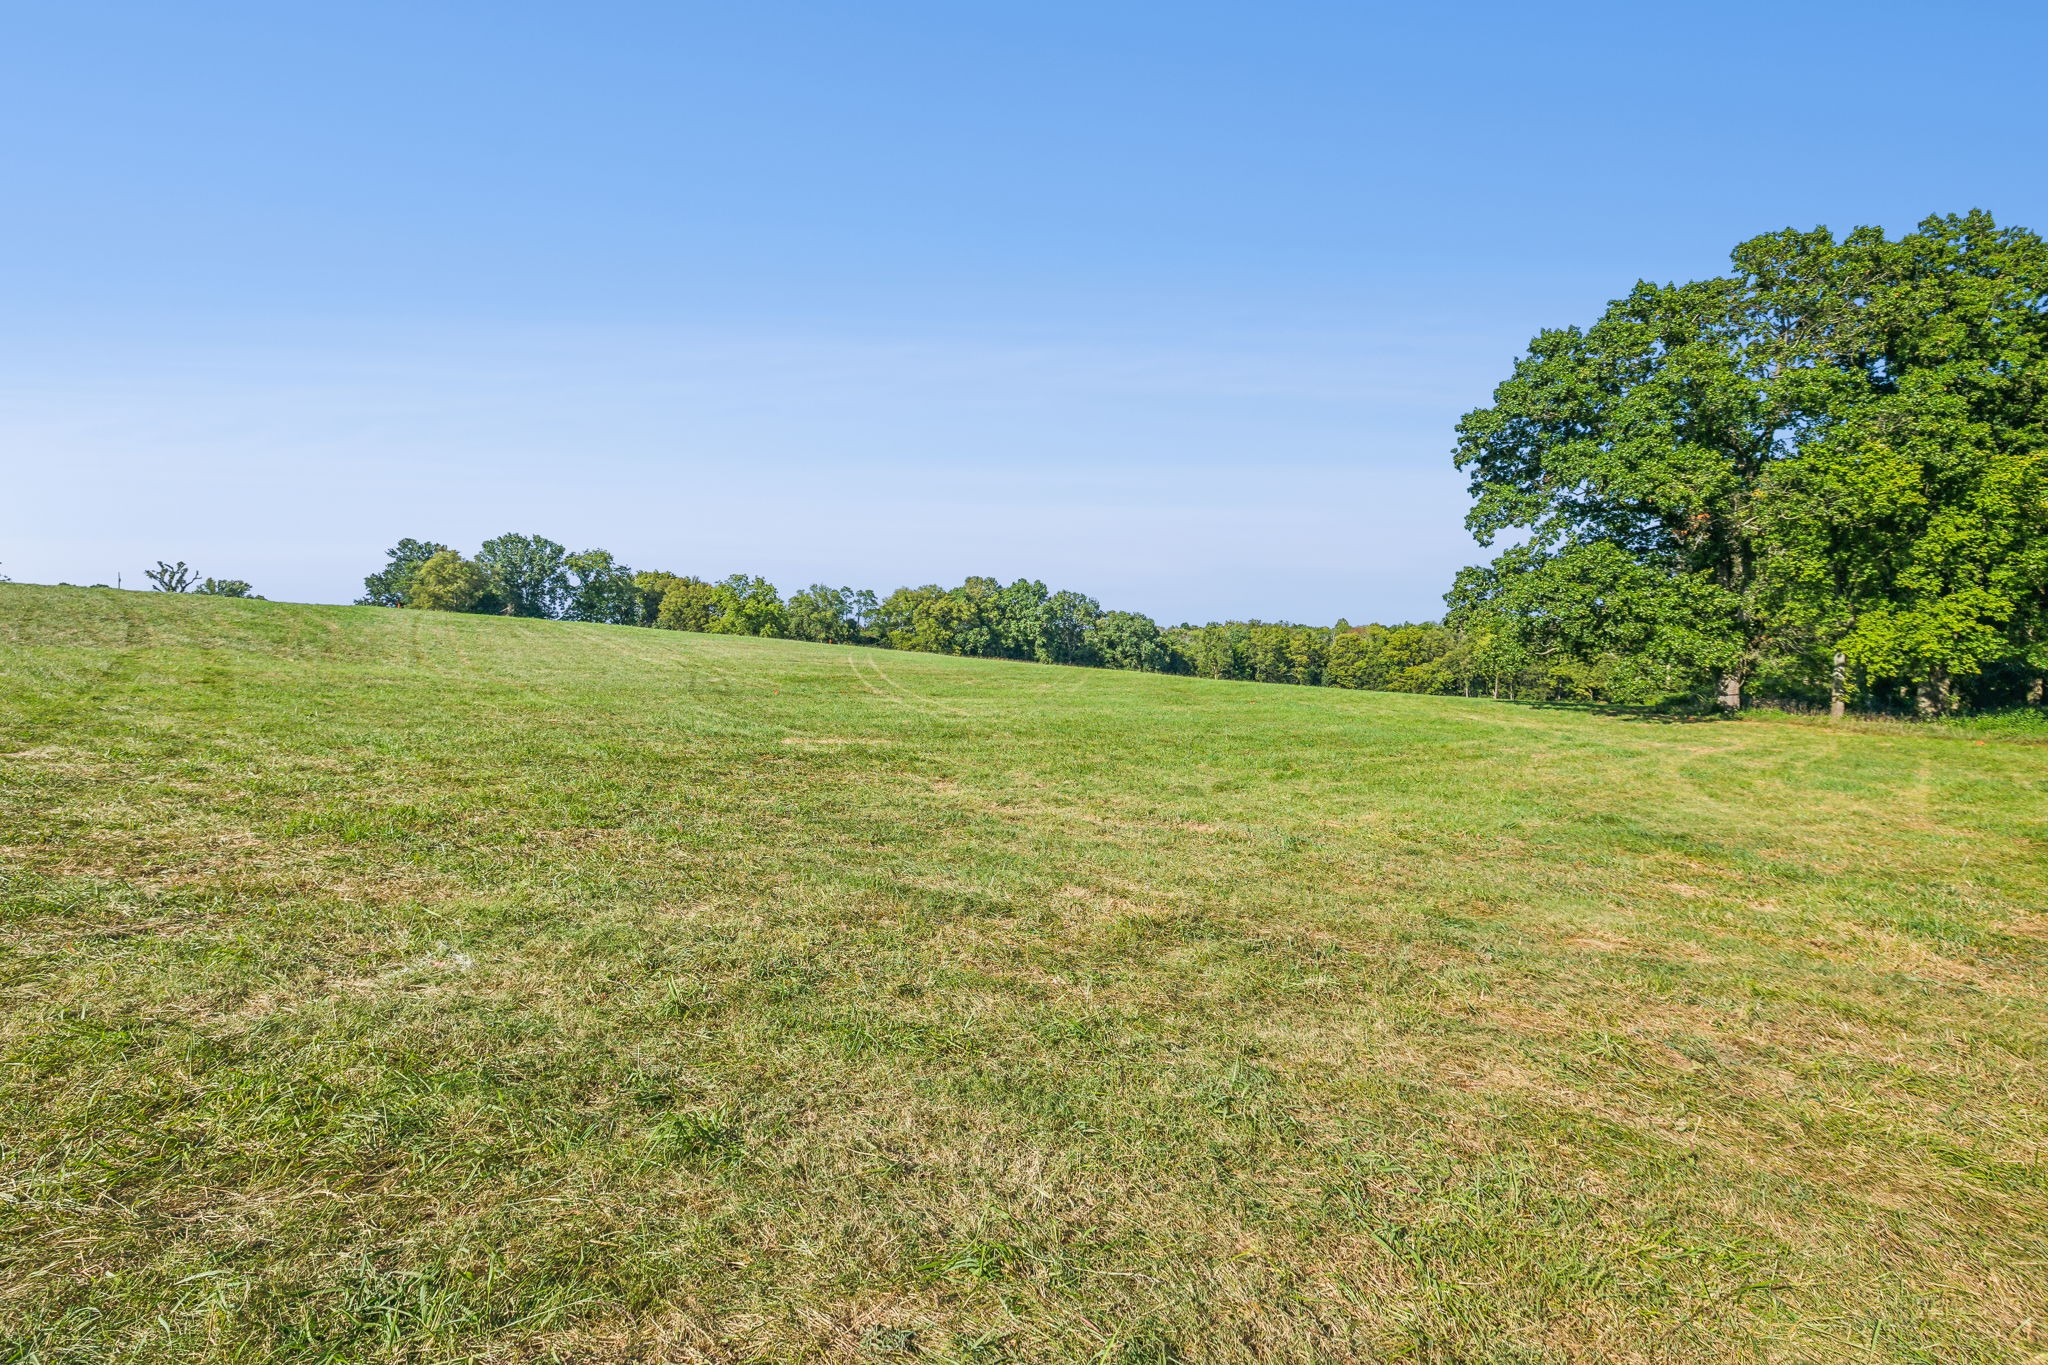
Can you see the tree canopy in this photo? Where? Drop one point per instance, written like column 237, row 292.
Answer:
column 390, row 585
column 1829, row 459
column 600, row 589
column 528, row 574
column 448, row 582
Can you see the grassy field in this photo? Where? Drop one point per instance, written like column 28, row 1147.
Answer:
column 394, row 986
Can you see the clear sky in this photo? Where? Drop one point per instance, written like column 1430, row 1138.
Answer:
column 1172, row 304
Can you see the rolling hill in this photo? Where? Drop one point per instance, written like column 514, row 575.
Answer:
column 384, row 985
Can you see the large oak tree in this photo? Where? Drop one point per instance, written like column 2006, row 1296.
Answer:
column 1829, row 457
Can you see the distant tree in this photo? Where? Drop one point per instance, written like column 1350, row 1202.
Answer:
column 687, row 604
column 601, row 590
column 389, row 585
column 448, row 582
column 1283, row 653
column 1308, row 654
column 1018, row 615
column 170, row 577
column 748, row 606
column 1421, row 657
column 903, row 619
column 1357, row 657
column 653, row 585
column 226, row 587
column 967, row 618
column 862, row 605
column 1497, row 655
column 526, row 573
column 1217, row 650
column 823, row 614
column 1126, row 639
column 1425, row 656
column 1066, row 630
column 956, row 621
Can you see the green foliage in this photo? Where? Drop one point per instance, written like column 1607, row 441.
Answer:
column 1418, row 657
column 1831, row 457
column 170, row 577
column 226, row 587
column 1217, row 650
column 1352, row 661
column 448, row 582
column 1017, row 616
column 1910, row 542
column 981, row 618
column 827, row 615
column 389, row 586
column 1126, row 639
column 913, row 619
column 1066, row 629
column 653, row 585
column 1252, row 651
column 601, row 589
column 687, row 604
column 1286, row 654
column 741, row 605
column 527, row 574
column 1652, row 634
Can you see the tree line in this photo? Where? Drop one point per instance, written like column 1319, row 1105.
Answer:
column 527, row 575
column 1821, row 478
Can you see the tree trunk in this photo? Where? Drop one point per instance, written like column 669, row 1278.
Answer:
column 1931, row 697
column 1731, row 691
column 1838, row 687
column 2034, row 690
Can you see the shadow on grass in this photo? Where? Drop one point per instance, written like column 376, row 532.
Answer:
column 1655, row 715
column 2022, row 725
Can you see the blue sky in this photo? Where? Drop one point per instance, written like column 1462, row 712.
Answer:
column 1176, row 305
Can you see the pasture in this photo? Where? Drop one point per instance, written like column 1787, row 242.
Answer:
column 386, row 985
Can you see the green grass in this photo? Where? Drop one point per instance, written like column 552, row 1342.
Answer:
column 394, row 986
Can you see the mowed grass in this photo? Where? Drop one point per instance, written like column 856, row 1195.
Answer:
column 391, row 986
